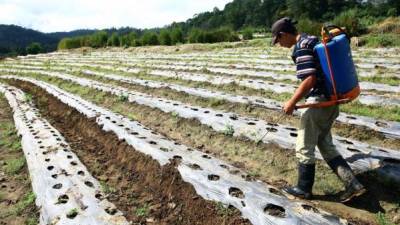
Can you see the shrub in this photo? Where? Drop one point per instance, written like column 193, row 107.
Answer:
column 69, row 43
column 34, row 48
column 248, row 33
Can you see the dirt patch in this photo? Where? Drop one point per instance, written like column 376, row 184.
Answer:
column 17, row 204
column 146, row 192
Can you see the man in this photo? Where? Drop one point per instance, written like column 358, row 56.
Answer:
column 315, row 123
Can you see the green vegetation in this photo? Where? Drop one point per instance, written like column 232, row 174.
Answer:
column 28, row 97
column 28, row 200
column 381, row 219
column 107, row 189
column 143, row 211
column 72, row 213
column 123, row 98
column 218, row 35
column 381, row 40
column 224, row 210
column 229, row 130
column 13, row 166
column 34, row 48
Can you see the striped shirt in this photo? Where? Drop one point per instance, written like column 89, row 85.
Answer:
column 307, row 63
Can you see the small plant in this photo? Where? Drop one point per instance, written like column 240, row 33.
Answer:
column 175, row 114
column 106, row 188
column 72, row 213
column 223, row 210
column 229, row 130
column 28, row 97
column 123, row 98
column 205, row 70
column 142, row 211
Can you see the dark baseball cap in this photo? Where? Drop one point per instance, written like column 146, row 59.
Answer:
column 286, row 25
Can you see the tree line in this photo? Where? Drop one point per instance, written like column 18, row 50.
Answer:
column 166, row 36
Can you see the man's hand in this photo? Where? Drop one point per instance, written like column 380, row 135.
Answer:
column 289, row 107
column 305, row 87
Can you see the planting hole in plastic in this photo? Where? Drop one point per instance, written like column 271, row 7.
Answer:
column 236, row 192
column 275, row 191
column 195, row 166
column 213, row 177
column 89, row 184
column 274, row 210
column 57, row 186
column 309, row 208
column 111, row 211
column 62, row 199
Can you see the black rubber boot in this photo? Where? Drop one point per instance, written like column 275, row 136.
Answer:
column 305, row 182
column 346, row 175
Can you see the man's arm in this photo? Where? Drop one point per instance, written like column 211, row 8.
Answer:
column 303, row 89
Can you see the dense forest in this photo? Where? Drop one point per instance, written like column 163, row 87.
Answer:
column 240, row 18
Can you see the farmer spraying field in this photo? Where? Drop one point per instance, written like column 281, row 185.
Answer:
column 326, row 81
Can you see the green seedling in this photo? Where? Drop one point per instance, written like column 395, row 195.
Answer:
column 142, row 211
column 123, row 98
column 72, row 213
column 229, row 130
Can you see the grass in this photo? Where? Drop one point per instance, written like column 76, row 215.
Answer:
column 380, row 112
column 216, row 102
column 381, row 219
column 390, row 80
column 28, row 98
column 381, row 40
column 14, row 166
column 224, row 210
column 28, row 200
column 175, row 114
column 123, row 98
column 107, row 189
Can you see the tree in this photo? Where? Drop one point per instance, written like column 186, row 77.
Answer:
column 177, row 36
column 150, row 38
column 113, row 40
column 98, row 39
column 34, row 48
column 165, row 37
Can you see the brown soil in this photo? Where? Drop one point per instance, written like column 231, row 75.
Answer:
column 14, row 187
column 146, row 192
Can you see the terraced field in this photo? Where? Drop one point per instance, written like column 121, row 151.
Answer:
column 194, row 135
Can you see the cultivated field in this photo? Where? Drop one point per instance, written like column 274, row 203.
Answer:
column 192, row 134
